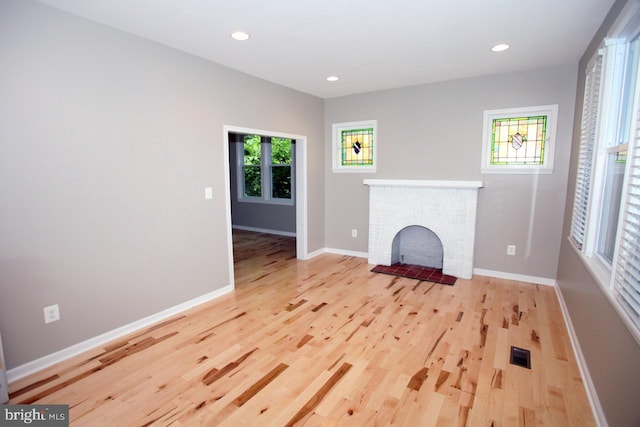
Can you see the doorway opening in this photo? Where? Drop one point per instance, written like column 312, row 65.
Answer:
column 266, row 189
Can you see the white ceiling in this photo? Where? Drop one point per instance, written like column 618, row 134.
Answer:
column 370, row 44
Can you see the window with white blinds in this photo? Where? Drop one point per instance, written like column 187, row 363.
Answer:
column 627, row 272
column 587, row 143
column 605, row 222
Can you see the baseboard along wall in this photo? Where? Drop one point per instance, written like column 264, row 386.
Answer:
column 59, row 356
column 34, row 366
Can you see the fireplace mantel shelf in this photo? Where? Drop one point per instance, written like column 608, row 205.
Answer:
column 422, row 183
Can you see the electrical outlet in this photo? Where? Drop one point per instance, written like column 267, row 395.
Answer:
column 354, row 232
column 51, row 313
column 511, row 249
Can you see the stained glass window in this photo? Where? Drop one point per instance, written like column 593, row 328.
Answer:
column 357, row 147
column 518, row 140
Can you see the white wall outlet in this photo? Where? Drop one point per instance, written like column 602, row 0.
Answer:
column 354, row 232
column 208, row 193
column 51, row 313
column 511, row 249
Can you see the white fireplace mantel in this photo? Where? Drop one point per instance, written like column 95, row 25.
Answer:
column 447, row 208
column 422, row 183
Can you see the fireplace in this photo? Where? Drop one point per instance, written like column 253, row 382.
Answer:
column 447, row 209
column 417, row 245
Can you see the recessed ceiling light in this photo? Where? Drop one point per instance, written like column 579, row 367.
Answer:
column 333, row 78
column 240, row 35
column 500, row 47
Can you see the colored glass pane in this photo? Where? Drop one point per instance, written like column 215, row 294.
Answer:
column 357, row 147
column 518, row 140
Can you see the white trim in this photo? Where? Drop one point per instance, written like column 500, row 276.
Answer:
column 315, row 253
column 264, row 230
column 227, row 206
column 301, row 197
column 551, row 111
column 422, row 183
column 480, row 271
column 594, row 401
column 338, row 252
column 300, row 183
column 518, row 277
column 627, row 20
column 34, row 366
column 336, row 151
column 346, row 252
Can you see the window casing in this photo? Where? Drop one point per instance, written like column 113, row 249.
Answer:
column 355, row 146
column 265, row 169
column 605, row 228
column 519, row 140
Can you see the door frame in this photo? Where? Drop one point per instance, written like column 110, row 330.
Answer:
column 300, row 188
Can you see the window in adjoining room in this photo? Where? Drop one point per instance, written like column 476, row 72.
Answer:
column 354, row 146
column 265, row 169
column 519, row 140
column 281, row 154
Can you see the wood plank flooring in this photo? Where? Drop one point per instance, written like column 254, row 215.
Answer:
column 327, row 342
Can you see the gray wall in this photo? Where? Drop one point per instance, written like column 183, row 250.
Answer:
column 610, row 351
column 107, row 143
column 434, row 131
column 258, row 215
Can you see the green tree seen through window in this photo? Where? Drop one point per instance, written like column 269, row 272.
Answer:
column 271, row 157
column 280, row 168
column 252, row 166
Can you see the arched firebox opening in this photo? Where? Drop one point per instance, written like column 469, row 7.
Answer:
column 417, row 245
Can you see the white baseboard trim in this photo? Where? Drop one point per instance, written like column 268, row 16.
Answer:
column 482, row 272
column 513, row 276
column 315, row 253
column 342, row 252
column 34, row 366
column 264, row 230
column 590, row 388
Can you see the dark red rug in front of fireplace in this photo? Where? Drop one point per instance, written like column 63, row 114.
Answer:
column 419, row 272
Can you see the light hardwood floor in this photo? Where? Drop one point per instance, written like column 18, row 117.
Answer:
column 327, row 342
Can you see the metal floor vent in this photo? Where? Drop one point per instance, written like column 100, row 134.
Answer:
column 520, row 357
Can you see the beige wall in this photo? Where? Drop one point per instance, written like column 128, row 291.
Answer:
column 611, row 353
column 434, row 131
column 108, row 141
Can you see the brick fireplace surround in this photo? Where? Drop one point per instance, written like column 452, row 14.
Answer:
column 448, row 208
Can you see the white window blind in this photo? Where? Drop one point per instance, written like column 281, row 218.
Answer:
column 588, row 135
column 627, row 273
